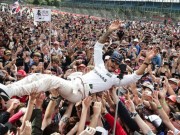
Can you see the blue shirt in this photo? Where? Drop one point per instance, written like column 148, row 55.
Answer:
column 138, row 49
column 157, row 60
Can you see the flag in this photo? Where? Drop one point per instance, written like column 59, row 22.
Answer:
column 16, row 8
column 42, row 15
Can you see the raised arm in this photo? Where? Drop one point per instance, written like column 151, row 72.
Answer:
column 142, row 125
column 163, row 114
column 65, row 118
column 50, row 110
column 96, row 114
column 86, row 103
column 30, row 107
column 99, row 45
column 114, row 26
column 149, row 56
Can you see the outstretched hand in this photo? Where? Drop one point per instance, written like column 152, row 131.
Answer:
column 130, row 105
column 114, row 25
column 151, row 54
column 87, row 102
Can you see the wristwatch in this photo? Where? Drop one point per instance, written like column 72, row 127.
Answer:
column 145, row 63
column 133, row 115
column 55, row 98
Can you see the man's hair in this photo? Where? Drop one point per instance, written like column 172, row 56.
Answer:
column 51, row 128
column 55, row 59
column 158, row 49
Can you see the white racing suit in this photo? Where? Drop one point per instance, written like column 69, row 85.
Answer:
column 97, row 80
column 72, row 90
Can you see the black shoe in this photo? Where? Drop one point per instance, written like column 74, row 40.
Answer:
column 4, row 95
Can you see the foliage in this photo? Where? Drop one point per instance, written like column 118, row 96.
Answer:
column 45, row 2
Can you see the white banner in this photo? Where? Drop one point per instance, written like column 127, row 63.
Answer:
column 42, row 15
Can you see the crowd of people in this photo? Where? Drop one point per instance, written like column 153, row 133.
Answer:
column 150, row 106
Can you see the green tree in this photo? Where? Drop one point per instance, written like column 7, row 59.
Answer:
column 36, row 2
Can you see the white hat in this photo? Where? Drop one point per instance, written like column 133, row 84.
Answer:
column 127, row 60
column 174, row 80
column 102, row 130
column 155, row 119
column 148, row 85
column 136, row 40
column 107, row 57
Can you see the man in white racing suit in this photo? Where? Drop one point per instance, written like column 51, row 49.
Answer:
column 101, row 78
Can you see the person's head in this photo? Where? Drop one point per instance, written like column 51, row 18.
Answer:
column 128, row 62
column 147, row 88
column 81, row 68
column 56, row 44
column 54, row 70
column 51, row 128
column 2, row 49
column 33, row 69
column 55, row 61
column 21, row 74
column 114, row 61
column 166, row 64
column 158, row 50
column 36, row 57
column 7, row 55
column 174, row 83
column 171, row 100
column 71, row 123
column 136, row 41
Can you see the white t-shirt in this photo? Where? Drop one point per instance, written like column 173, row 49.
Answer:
column 100, row 79
column 57, row 52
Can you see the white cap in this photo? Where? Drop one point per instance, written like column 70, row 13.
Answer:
column 102, row 130
column 136, row 40
column 174, row 80
column 148, row 85
column 107, row 57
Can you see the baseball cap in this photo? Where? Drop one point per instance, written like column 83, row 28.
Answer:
column 136, row 40
column 7, row 52
column 101, row 130
column 174, row 80
column 107, row 57
column 37, row 54
column 21, row 73
column 154, row 119
column 148, row 85
column 172, row 98
column 127, row 60
column 117, row 57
